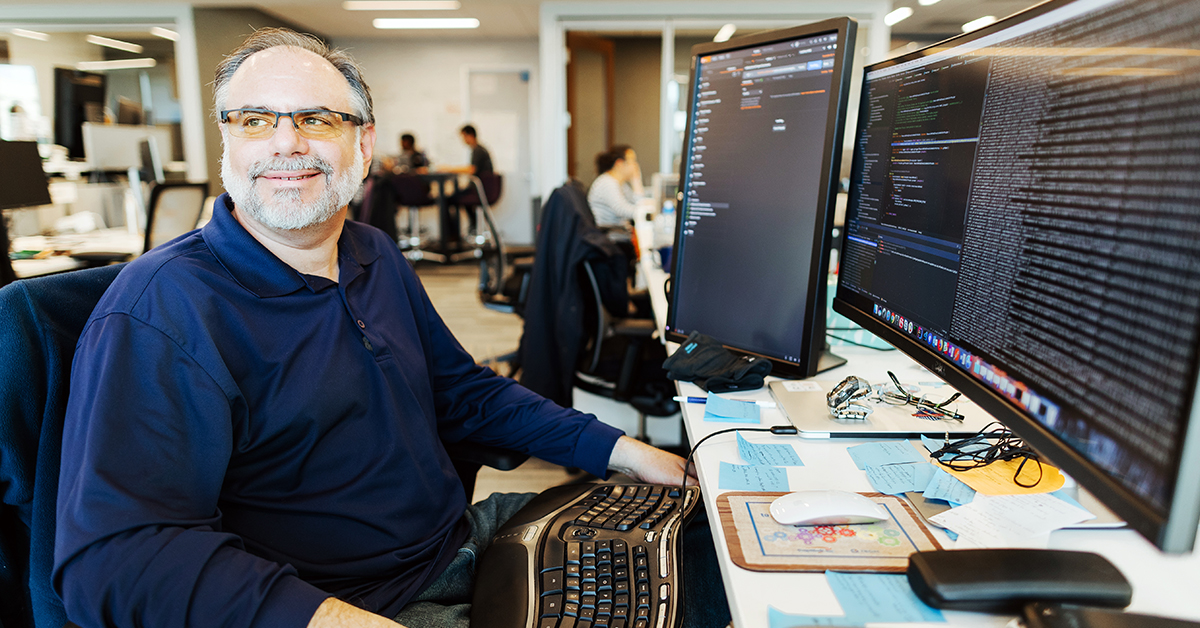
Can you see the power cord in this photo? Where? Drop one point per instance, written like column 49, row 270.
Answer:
column 778, row 429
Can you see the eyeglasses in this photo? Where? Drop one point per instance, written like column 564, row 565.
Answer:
column 313, row 124
column 935, row 411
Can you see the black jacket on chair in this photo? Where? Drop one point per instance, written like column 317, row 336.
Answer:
column 554, row 327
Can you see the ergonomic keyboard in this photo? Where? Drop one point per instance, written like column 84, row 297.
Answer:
column 587, row 556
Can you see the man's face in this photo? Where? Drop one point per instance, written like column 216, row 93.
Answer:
column 628, row 166
column 287, row 181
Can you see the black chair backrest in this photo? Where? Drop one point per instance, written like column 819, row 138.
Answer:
column 40, row 322
column 411, row 190
column 7, row 275
column 493, row 186
column 175, row 209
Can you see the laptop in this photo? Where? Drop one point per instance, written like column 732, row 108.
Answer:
column 803, row 402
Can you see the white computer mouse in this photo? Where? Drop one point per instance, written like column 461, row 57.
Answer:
column 826, row 507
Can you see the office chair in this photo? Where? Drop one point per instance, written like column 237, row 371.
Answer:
column 174, row 209
column 412, row 191
column 485, row 191
column 571, row 335
column 504, row 278
column 40, row 322
column 7, row 275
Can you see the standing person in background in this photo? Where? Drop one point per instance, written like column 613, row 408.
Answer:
column 613, row 196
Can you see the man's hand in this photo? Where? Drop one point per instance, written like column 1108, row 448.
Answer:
column 334, row 613
column 648, row 464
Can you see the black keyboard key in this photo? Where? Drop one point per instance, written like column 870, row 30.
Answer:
column 589, row 587
column 571, row 609
column 621, row 600
column 674, row 492
column 588, row 613
column 618, row 622
column 643, row 601
column 604, row 609
column 642, row 587
column 588, row 561
column 641, row 562
column 552, row 606
column 619, row 547
column 567, row 622
column 572, row 570
column 642, row 622
column 604, row 582
column 621, row 574
column 588, row 575
column 552, row 581
column 643, row 575
column 583, row 623
column 572, row 596
column 642, row 612
column 621, row 584
column 548, row 622
column 573, row 583
column 574, row 552
column 588, row 548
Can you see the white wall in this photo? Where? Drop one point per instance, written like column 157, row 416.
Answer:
column 417, row 87
column 63, row 50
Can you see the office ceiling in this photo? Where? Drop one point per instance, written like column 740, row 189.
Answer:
column 518, row 19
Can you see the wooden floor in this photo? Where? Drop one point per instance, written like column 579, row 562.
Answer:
column 484, row 333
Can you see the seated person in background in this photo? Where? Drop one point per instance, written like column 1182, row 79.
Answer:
column 411, row 160
column 255, row 430
column 613, row 195
column 481, row 159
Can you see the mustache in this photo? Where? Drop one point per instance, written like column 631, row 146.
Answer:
column 304, row 162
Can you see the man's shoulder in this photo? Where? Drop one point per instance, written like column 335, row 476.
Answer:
column 178, row 267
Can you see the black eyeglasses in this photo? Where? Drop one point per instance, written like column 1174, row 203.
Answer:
column 931, row 410
column 313, row 124
column 988, row 446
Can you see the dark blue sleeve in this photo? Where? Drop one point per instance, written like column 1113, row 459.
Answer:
column 146, row 443
column 474, row 403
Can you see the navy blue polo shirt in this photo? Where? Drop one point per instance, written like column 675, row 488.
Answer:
column 243, row 441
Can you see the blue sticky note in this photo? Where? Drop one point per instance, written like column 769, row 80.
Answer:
column 1065, row 495
column 876, row 597
column 780, row 619
column 717, row 408
column 895, row 479
column 750, row 477
column 947, row 487
column 884, row 452
column 771, row 454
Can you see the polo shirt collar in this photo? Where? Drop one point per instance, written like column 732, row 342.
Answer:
column 255, row 267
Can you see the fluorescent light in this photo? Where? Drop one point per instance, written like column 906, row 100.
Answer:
column 425, row 22
column 897, row 16
column 725, row 33
column 164, row 33
column 401, row 5
column 978, row 23
column 926, row 3
column 20, row 32
column 114, row 43
column 120, row 64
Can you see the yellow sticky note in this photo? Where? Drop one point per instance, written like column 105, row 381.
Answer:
column 997, row 478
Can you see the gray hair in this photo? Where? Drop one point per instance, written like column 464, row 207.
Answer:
column 262, row 39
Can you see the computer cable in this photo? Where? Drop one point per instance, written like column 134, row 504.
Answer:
column 778, row 429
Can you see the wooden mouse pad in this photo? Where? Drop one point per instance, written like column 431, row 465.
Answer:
column 758, row 543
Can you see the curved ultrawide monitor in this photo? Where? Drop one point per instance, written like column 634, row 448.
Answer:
column 1024, row 219
column 758, row 178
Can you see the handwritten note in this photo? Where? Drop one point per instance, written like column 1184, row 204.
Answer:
column 717, row 408
column 779, row 619
column 1010, row 520
column 871, row 597
column 751, row 477
column 771, row 454
column 946, row 487
column 884, row 452
column 895, row 479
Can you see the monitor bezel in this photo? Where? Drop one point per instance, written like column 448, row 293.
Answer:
column 1173, row 533
column 24, row 163
column 813, row 343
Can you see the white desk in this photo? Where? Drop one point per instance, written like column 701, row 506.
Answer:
column 1162, row 585
column 117, row 240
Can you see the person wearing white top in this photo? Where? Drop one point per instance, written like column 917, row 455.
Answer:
column 613, row 195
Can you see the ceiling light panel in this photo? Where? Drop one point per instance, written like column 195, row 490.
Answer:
column 425, row 23
column 114, row 43
column 401, row 5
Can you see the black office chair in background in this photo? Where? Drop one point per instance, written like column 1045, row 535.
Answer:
column 7, row 275
column 577, row 332
column 40, row 322
column 484, row 192
column 174, row 209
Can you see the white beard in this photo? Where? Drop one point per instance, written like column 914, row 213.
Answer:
column 284, row 210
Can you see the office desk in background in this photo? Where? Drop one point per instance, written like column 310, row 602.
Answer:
column 118, row 241
column 1162, row 584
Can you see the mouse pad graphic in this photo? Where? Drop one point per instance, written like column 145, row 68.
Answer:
column 758, row 543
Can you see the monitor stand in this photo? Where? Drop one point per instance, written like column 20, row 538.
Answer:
column 829, row 361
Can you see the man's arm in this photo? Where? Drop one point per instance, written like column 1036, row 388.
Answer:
column 334, row 613
column 648, row 464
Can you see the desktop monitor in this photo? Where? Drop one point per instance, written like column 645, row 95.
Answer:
column 25, row 183
column 1024, row 220
column 78, row 97
column 761, row 154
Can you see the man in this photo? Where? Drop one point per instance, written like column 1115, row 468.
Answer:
column 481, row 159
column 254, row 434
column 613, row 195
column 411, row 160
